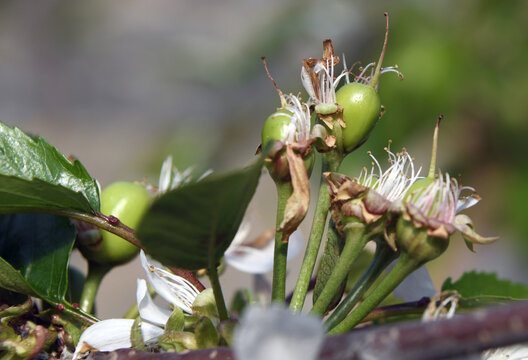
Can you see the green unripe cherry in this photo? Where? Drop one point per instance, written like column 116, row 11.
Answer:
column 128, row 202
column 361, row 109
column 275, row 127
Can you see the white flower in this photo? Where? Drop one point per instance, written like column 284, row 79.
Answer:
column 113, row 334
column 256, row 257
column 277, row 333
column 173, row 288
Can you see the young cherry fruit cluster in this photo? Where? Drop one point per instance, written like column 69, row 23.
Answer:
column 344, row 117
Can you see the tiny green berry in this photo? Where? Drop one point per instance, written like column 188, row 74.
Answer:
column 127, row 202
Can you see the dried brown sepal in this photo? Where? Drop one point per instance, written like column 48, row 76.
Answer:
column 389, row 234
column 375, row 203
column 310, row 64
column 330, row 119
column 342, row 188
column 298, row 202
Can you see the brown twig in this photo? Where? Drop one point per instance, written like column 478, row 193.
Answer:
column 443, row 339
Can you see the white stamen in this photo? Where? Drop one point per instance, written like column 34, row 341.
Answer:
column 396, row 180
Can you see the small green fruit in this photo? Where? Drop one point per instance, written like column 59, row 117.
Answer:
column 416, row 243
column 361, row 109
column 275, row 127
column 128, row 202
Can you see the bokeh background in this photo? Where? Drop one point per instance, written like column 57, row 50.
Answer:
column 122, row 84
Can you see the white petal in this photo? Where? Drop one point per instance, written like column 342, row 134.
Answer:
column 113, row 334
column 277, row 333
column 307, row 83
column 240, row 236
column 260, row 260
column 165, row 175
column 174, row 289
column 463, row 204
column 415, row 286
column 148, row 310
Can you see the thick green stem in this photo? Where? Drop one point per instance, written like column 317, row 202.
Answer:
column 278, row 289
column 383, row 256
column 354, row 244
column 331, row 162
column 96, row 273
column 403, row 268
column 217, row 289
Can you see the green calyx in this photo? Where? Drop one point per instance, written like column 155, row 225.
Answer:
column 415, row 242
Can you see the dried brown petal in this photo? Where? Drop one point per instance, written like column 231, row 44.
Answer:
column 297, row 204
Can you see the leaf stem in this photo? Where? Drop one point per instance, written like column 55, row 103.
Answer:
column 403, row 268
column 278, row 287
column 103, row 222
column 96, row 273
column 383, row 256
column 354, row 243
column 217, row 288
column 331, row 162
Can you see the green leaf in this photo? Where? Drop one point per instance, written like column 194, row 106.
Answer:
column 34, row 251
column 11, row 279
column 36, row 176
column 475, row 285
column 187, row 224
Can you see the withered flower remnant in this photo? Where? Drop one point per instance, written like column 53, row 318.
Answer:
column 429, row 216
column 368, row 197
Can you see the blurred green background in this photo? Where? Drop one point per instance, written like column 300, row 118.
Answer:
column 121, row 84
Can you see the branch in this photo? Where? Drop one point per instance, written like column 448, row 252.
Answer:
column 462, row 335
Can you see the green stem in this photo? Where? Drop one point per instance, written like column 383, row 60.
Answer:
column 331, row 162
column 217, row 289
column 102, row 222
column 403, row 268
column 354, row 244
column 278, row 289
column 96, row 273
column 383, row 256
column 408, row 308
